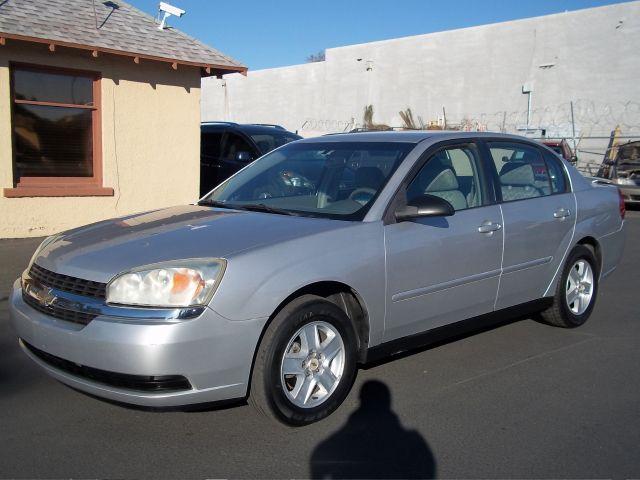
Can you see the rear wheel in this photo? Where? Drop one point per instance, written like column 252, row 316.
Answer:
column 577, row 289
column 306, row 362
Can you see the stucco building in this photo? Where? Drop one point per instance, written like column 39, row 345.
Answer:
column 99, row 113
column 520, row 76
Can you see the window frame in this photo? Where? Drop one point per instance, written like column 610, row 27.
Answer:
column 28, row 186
column 548, row 158
column 495, row 176
column 487, row 184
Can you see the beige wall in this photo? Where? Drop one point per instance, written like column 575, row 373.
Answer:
column 150, row 141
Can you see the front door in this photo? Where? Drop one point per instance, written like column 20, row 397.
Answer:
column 444, row 269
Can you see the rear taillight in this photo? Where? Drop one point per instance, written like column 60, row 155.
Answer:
column 623, row 209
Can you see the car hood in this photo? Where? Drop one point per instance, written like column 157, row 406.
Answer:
column 102, row 250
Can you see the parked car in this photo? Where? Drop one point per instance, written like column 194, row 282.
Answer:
column 624, row 171
column 562, row 148
column 322, row 255
column 226, row 147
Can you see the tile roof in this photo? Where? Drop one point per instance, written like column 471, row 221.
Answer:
column 115, row 26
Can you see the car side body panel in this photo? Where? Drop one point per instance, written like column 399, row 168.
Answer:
column 441, row 270
column 352, row 255
column 535, row 246
column 597, row 218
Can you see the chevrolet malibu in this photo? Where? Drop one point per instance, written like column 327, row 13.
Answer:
column 322, row 255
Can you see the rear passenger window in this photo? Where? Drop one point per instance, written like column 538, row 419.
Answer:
column 523, row 172
column 450, row 174
column 556, row 172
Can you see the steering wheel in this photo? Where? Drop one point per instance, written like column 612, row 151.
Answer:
column 362, row 195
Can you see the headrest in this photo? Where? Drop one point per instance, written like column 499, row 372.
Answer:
column 445, row 180
column 517, row 173
column 369, row 177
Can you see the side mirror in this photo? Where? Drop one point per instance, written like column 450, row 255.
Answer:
column 244, row 157
column 425, row 206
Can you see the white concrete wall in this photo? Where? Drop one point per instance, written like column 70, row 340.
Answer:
column 590, row 57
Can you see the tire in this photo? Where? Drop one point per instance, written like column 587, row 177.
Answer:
column 562, row 312
column 277, row 395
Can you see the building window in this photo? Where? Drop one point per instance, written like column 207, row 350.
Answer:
column 56, row 132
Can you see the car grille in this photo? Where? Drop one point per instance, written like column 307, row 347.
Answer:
column 69, row 284
column 147, row 383
column 57, row 312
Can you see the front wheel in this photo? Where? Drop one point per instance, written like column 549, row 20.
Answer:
column 306, row 362
column 577, row 289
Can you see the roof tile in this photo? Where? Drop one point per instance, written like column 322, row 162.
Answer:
column 124, row 28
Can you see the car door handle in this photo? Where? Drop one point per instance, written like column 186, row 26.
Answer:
column 489, row 227
column 562, row 213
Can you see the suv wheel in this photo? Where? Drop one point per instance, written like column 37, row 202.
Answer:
column 306, row 362
column 576, row 291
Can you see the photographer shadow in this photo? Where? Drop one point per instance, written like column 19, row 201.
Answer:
column 373, row 444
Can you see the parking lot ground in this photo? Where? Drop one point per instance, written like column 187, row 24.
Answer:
column 521, row 400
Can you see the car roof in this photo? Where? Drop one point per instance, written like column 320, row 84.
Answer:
column 249, row 128
column 414, row 136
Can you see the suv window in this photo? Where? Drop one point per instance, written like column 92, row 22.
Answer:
column 267, row 142
column 521, row 170
column 234, row 144
column 451, row 174
column 210, row 144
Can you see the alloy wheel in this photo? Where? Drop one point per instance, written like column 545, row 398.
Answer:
column 579, row 288
column 312, row 364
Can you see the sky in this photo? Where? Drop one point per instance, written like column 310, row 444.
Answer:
column 275, row 33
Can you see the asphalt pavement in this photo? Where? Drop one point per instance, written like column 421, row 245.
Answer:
column 524, row 400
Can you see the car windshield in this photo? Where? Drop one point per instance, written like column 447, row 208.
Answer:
column 331, row 179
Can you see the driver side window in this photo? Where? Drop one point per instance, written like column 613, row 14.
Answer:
column 451, row 174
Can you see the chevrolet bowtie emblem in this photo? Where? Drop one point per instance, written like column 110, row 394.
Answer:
column 43, row 295
column 48, row 298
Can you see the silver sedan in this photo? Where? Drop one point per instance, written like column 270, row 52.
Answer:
column 322, row 255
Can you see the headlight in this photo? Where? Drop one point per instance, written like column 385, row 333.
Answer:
column 183, row 283
column 44, row 243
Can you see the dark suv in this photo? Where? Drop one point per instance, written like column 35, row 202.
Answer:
column 226, row 147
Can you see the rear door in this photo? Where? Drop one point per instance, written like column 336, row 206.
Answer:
column 538, row 210
column 443, row 269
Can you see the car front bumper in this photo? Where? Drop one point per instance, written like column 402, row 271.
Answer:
column 213, row 353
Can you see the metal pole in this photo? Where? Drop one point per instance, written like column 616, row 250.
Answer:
column 573, row 128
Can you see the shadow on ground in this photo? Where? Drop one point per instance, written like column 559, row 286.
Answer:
column 373, row 444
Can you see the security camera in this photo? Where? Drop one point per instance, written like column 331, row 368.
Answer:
column 168, row 11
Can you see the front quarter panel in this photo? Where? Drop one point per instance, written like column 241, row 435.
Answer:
column 258, row 281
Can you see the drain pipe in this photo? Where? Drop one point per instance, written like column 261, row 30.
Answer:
column 526, row 89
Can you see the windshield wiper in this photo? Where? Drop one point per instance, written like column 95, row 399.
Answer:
column 214, row 203
column 261, row 207
column 257, row 207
